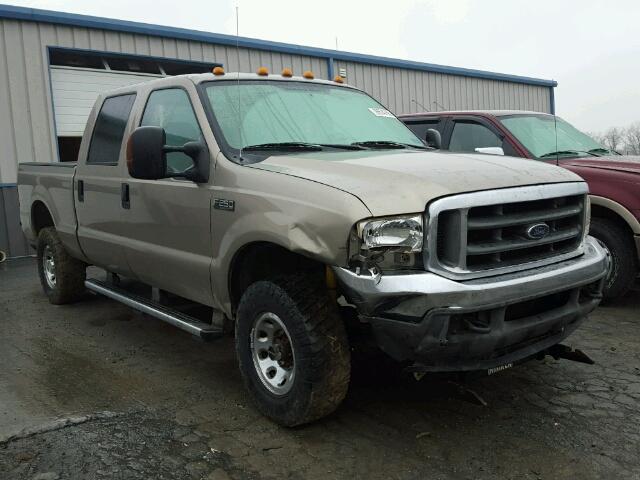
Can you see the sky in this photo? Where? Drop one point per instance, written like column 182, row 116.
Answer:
column 590, row 47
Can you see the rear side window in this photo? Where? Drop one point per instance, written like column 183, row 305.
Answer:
column 109, row 130
column 420, row 127
column 467, row 136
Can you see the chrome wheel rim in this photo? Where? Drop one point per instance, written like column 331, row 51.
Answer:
column 49, row 267
column 272, row 352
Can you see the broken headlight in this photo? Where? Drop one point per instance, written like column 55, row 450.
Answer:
column 388, row 243
column 403, row 234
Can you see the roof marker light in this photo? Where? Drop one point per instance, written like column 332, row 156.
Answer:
column 286, row 72
column 263, row 71
column 338, row 79
column 308, row 74
column 218, row 71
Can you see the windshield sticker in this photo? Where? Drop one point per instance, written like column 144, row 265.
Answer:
column 381, row 112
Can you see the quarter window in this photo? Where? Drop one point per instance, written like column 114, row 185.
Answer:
column 106, row 141
column 467, row 136
column 171, row 109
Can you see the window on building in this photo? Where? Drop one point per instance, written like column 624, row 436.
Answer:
column 171, row 109
column 126, row 63
column 106, row 140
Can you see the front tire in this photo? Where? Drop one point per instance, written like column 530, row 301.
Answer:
column 62, row 276
column 292, row 349
column 624, row 267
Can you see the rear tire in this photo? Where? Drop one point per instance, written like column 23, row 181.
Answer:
column 318, row 366
column 62, row 276
column 624, row 266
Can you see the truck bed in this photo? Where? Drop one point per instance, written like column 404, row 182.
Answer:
column 49, row 185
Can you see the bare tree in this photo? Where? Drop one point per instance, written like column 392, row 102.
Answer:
column 632, row 139
column 612, row 138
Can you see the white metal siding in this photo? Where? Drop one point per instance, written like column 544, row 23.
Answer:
column 76, row 89
column 411, row 91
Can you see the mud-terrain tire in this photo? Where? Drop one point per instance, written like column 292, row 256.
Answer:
column 62, row 276
column 624, row 266
column 320, row 350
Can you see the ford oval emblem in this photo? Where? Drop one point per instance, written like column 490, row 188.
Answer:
column 537, row 231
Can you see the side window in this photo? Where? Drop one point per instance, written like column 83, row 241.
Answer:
column 420, row 127
column 108, row 131
column 171, row 109
column 467, row 136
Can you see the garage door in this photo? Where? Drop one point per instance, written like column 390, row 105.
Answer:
column 76, row 89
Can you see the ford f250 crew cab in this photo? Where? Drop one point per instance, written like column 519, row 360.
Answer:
column 280, row 202
column 613, row 179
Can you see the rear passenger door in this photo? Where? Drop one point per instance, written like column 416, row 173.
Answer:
column 98, row 185
column 168, row 221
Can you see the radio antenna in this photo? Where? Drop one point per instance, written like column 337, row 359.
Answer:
column 555, row 128
column 238, row 76
column 419, row 104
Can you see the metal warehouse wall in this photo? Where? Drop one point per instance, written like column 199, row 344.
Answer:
column 404, row 91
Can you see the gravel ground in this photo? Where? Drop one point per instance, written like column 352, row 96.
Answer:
column 95, row 390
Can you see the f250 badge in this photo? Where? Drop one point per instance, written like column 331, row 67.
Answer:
column 224, row 204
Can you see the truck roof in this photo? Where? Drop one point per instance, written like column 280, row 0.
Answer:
column 198, row 78
column 493, row 113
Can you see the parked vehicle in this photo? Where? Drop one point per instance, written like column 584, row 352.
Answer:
column 614, row 180
column 280, row 202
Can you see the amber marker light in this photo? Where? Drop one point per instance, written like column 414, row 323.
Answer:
column 308, row 75
column 286, row 72
column 338, row 79
column 218, row 71
column 263, row 71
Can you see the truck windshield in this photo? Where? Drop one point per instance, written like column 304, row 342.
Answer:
column 288, row 115
column 538, row 134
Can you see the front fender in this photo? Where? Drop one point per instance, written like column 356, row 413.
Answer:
column 301, row 216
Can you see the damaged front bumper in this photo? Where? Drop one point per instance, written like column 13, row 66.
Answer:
column 446, row 325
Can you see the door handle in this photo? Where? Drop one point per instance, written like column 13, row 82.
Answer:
column 124, row 196
column 80, row 188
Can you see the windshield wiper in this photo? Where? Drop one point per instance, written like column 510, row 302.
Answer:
column 595, row 151
column 301, row 146
column 566, row 152
column 387, row 144
column 284, row 146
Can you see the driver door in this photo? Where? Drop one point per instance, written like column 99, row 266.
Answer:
column 168, row 220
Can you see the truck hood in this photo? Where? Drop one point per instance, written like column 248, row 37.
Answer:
column 405, row 181
column 620, row 163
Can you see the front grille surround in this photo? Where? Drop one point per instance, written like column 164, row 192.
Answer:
column 465, row 232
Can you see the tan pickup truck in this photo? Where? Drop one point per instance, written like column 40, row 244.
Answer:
column 292, row 208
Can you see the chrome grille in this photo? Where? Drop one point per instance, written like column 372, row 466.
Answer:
column 485, row 233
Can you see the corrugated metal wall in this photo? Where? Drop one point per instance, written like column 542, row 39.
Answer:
column 12, row 241
column 410, row 91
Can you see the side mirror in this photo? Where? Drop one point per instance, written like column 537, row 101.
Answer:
column 433, row 138
column 490, row 150
column 147, row 156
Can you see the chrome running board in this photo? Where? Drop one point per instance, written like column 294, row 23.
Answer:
column 178, row 319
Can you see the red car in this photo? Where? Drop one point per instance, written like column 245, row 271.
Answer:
column 614, row 179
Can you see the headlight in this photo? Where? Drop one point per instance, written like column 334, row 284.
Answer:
column 403, row 233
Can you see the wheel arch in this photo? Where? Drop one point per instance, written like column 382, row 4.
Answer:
column 609, row 209
column 260, row 260
column 41, row 217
